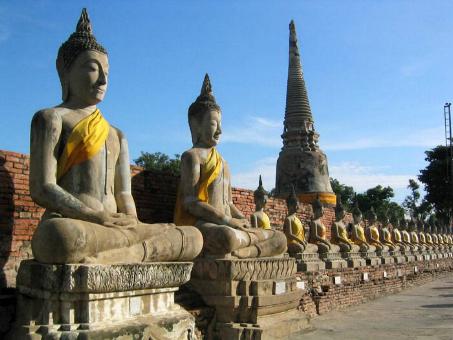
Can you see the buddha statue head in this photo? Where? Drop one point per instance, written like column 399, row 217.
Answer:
column 357, row 214
column 339, row 210
column 292, row 202
column 403, row 224
column 205, row 117
column 372, row 218
column 420, row 225
column 318, row 209
column 82, row 65
column 384, row 219
column 260, row 196
column 412, row 225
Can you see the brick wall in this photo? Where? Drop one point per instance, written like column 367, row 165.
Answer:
column 154, row 194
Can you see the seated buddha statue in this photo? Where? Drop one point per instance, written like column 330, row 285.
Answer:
column 406, row 236
column 259, row 218
column 421, row 233
column 386, row 236
column 340, row 233
column 79, row 172
column 294, row 229
column 414, row 235
column 428, row 236
column 204, row 197
column 396, row 234
column 357, row 231
column 318, row 232
column 372, row 233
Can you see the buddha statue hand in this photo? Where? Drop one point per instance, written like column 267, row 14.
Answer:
column 242, row 224
column 116, row 220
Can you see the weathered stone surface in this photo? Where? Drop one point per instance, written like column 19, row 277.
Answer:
column 101, row 301
column 97, row 278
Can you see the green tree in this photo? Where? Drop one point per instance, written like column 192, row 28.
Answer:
column 413, row 202
column 347, row 193
column 160, row 162
column 438, row 184
column 379, row 198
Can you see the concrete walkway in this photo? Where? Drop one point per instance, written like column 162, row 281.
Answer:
column 424, row 312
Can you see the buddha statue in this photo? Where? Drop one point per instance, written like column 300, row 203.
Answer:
column 396, row 234
column 79, row 172
column 294, row 229
column 340, row 233
column 414, row 236
column 372, row 234
column 357, row 231
column 318, row 231
column 259, row 218
column 386, row 236
column 204, row 197
column 406, row 236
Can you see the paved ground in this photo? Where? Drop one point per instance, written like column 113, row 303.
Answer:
column 424, row 312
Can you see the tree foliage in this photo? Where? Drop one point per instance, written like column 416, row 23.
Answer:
column 379, row 198
column 415, row 206
column 438, row 184
column 160, row 162
column 346, row 192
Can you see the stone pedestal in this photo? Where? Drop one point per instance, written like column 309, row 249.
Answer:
column 353, row 259
column 309, row 262
column 371, row 258
column 333, row 260
column 398, row 258
column 253, row 298
column 87, row 301
column 385, row 257
column 408, row 255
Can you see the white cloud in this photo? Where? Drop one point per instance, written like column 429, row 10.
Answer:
column 255, row 130
column 249, row 179
column 429, row 137
column 362, row 177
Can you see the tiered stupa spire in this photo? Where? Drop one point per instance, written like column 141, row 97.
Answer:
column 301, row 163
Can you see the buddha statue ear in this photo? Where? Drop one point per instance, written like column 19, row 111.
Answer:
column 194, row 130
column 63, row 80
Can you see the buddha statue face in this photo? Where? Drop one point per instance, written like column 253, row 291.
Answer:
column 293, row 206
column 85, row 83
column 206, row 128
column 339, row 214
column 318, row 211
column 357, row 217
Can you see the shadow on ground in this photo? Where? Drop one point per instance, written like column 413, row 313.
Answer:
column 445, row 305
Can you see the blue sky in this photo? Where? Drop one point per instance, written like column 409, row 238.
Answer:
column 377, row 73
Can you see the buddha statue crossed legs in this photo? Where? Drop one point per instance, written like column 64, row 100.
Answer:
column 79, row 172
column 204, row 196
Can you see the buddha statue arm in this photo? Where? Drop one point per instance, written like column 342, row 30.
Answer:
column 46, row 129
column 315, row 236
column 190, row 177
column 254, row 221
column 123, row 192
column 288, row 230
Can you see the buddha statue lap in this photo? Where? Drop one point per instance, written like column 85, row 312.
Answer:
column 204, row 196
column 259, row 218
column 79, row 172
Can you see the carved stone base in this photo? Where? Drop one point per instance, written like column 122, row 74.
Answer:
column 353, row 259
column 101, row 301
column 371, row 258
column 418, row 257
column 398, row 257
column 247, row 293
column 333, row 260
column 309, row 262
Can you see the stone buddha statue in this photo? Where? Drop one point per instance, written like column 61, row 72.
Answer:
column 413, row 234
column 406, row 236
column 421, row 234
column 372, row 233
column 428, row 236
column 259, row 218
column 204, row 196
column 358, row 232
column 386, row 236
column 340, row 233
column 318, row 231
column 396, row 234
column 294, row 229
column 79, row 172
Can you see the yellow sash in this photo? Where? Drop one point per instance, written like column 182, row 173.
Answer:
column 210, row 170
column 85, row 141
column 297, row 229
column 264, row 222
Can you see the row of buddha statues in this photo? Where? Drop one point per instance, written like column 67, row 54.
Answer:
column 376, row 243
column 80, row 174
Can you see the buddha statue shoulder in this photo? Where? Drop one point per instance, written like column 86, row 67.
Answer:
column 358, row 232
column 79, row 172
column 294, row 229
column 204, row 197
column 318, row 231
column 339, row 231
column 259, row 218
